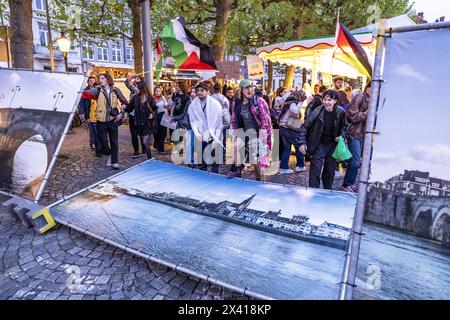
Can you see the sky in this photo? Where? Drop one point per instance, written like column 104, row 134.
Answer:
column 319, row 205
column 414, row 110
column 39, row 90
column 433, row 9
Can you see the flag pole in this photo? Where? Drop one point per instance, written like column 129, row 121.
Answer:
column 147, row 39
column 335, row 43
column 348, row 282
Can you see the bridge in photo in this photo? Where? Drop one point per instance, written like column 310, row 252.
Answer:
column 428, row 217
column 17, row 125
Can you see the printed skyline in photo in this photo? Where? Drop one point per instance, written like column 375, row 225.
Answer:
column 319, row 205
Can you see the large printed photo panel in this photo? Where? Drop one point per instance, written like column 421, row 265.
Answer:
column 283, row 242
column 405, row 252
column 35, row 107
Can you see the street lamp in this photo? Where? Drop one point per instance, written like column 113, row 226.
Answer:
column 64, row 47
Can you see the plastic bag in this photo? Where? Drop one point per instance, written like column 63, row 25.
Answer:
column 166, row 121
column 341, row 153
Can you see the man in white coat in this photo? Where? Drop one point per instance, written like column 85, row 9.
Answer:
column 205, row 116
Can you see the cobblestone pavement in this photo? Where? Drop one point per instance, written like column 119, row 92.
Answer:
column 48, row 266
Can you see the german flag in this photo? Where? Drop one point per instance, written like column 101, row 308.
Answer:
column 350, row 51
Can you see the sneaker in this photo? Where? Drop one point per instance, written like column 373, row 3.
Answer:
column 115, row 166
column 234, row 174
column 108, row 162
column 136, row 155
column 286, row 171
column 300, row 169
column 345, row 189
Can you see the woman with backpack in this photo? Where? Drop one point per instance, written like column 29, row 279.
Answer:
column 290, row 124
column 251, row 114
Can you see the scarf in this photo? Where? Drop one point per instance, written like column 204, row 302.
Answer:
column 206, row 124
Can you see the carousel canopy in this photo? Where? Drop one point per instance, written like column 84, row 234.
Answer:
column 315, row 54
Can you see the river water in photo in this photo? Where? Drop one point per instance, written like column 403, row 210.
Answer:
column 409, row 267
column 28, row 168
column 267, row 264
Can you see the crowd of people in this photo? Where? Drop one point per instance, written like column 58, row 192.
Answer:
column 211, row 115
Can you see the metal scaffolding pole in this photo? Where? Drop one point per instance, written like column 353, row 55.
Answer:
column 59, row 146
column 420, row 27
column 147, row 39
column 351, row 262
column 351, row 259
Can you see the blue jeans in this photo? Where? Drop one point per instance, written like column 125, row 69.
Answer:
column 190, row 145
column 355, row 146
column 288, row 137
column 94, row 135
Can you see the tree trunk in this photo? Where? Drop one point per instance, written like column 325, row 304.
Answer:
column 290, row 70
column 270, row 77
column 21, row 33
column 289, row 78
column 218, row 42
column 136, row 37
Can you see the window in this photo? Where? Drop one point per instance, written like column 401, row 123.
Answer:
column 116, row 53
column 102, row 53
column 434, row 193
column 40, row 5
column 130, row 53
column 88, row 51
column 43, row 34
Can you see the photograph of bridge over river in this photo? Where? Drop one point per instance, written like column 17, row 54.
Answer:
column 279, row 241
column 405, row 252
column 35, row 108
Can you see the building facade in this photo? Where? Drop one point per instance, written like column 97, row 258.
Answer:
column 113, row 56
column 41, row 40
column 332, row 230
column 414, row 182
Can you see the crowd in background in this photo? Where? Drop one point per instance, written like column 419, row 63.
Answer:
column 310, row 125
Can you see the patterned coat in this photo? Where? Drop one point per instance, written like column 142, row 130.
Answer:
column 261, row 114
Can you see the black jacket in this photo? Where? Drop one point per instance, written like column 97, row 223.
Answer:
column 143, row 111
column 311, row 130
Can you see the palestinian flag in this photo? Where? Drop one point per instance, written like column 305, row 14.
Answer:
column 159, row 57
column 350, row 51
column 189, row 53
